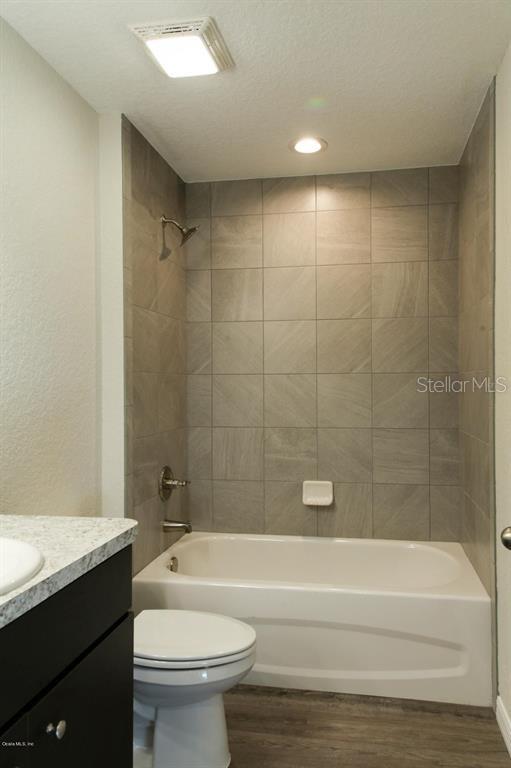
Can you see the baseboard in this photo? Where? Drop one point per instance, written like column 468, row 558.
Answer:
column 504, row 722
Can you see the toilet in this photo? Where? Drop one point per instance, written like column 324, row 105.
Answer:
column 183, row 663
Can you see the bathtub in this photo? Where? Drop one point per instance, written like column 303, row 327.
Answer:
column 384, row 618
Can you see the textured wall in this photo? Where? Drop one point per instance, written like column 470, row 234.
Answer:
column 48, row 418
column 313, row 304
column 155, row 294
column 476, row 275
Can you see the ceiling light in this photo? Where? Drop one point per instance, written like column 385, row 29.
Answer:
column 185, row 49
column 308, row 145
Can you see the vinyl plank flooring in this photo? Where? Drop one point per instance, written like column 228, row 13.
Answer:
column 274, row 728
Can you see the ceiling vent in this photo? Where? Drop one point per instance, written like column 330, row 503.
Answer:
column 185, row 48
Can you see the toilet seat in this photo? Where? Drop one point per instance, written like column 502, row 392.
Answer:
column 175, row 639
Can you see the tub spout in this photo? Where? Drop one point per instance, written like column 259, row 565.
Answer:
column 176, row 525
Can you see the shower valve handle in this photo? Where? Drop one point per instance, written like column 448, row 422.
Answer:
column 168, row 482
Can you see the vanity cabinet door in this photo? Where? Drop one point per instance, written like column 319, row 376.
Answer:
column 15, row 746
column 85, row 721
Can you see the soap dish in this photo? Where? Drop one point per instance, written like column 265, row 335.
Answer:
column 318, row 493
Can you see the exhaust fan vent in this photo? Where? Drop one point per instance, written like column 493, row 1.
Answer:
column 204, row 28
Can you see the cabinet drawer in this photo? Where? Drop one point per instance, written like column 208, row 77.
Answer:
column 92, row 708
column 15, row 746
column 39, row 646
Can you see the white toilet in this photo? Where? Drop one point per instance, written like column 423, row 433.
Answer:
column 183, row 662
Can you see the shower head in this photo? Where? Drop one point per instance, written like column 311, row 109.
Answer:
column 186, row 232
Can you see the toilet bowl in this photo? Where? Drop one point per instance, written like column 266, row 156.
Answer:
column 183, row 663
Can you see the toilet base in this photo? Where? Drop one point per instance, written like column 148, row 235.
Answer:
column 192, row 735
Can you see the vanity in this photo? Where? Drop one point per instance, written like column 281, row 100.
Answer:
column 66, row 647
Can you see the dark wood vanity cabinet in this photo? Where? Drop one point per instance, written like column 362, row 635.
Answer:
column 80, row 716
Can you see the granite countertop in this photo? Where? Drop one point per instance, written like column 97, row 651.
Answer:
column 71, row 546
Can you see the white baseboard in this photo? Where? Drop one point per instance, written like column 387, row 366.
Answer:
column 504, row 721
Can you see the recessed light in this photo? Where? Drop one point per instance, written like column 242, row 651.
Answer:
column 185, row 49
column 308, row 145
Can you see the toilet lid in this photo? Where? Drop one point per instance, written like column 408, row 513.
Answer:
column 189, row 635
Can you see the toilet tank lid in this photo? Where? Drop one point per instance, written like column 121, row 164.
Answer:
column 189, row 635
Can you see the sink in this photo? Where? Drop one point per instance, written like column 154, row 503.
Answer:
column 19, row 561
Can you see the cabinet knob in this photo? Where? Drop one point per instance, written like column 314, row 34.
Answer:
column 505, row 537
column 59, row 731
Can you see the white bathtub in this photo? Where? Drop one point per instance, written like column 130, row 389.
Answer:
column 385, row 618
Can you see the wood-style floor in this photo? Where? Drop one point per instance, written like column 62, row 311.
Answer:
column 272, row 728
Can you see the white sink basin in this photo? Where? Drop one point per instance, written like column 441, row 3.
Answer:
column 19, row 561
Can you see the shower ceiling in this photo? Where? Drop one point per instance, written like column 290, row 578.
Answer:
column 388, row 84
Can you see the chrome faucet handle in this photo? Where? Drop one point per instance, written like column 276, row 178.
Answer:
column 168, row 482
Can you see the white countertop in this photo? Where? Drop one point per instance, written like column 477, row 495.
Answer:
column 71, row 546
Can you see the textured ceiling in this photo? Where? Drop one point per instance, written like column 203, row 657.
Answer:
column 388, row 83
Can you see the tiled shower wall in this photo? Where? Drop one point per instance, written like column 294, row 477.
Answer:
column 313, row 304
column 155, row 355
column 477, row 252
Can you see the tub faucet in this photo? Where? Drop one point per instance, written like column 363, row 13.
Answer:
column 176, row 525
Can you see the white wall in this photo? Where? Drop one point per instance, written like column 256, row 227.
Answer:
column 48, row 416
column 503, row 401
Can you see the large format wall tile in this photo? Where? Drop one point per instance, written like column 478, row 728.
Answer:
column 332, row 297
column 344, row 237
column 289, row 239
column 400, row 234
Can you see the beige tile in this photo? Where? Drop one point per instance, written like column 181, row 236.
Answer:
column 143, row 258
column 445, row 505
column 198, row 296
column 344, row 291
column 443, row 232
column 237, row 294
column 128, row 371
column 476, row 408
column 172, row 342
column 397, row 401
column 199, row 453
column 200, row 504
column 146, row 467
column 344, row 400
column 343, row 191
column 146, row 346
column 443, row 344
column 400, row 234
column 443, row 288
column 400, row 290
column 236, row 198
column 444, row 456
column 238, row 506
column 145, row 403
column 401, row 456
column 148, row 543
column 289, row 239
column 344, row 346
column 290, row 400
column 197, row 250
column 197, row 198
column 284, row 512
column 443, row 404
column 289, row 293
column 171, row 401
column 172, row 293
column 344, row 455
column 400, row 345
column 290, row 454
column 129, row 439
column 238, row 453
column 344, row 237
column 289, row 195
column 236, row 242
column 401, row 512
column 444, row 184
column 290, row 347
column 237, row 400
column 403, row 187
column 198, row 396
column 476, row 470
column 198, row 347
column 238, row 347
column 475, row 338
column 351, row 513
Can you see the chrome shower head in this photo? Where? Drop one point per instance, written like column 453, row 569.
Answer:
column 186, row 232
